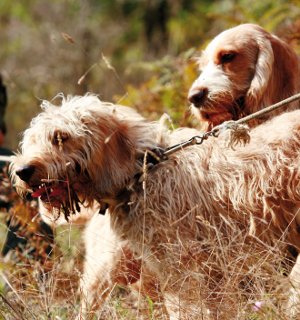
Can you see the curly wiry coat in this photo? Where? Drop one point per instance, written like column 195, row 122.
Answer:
column 188, row 217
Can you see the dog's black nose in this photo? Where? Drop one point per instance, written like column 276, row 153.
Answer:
column 25, row 172
column 197, row 96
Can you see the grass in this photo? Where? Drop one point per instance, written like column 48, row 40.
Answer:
column 27, row 292
column 31, row 289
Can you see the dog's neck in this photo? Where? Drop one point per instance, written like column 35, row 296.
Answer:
column 121, row 198
column 125, row 159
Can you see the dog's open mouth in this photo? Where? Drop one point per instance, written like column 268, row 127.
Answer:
column 51, row 193
column 58, row 195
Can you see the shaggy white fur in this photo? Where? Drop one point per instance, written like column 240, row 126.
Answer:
column 189, row 218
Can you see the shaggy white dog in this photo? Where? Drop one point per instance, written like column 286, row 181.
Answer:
column 189, row 219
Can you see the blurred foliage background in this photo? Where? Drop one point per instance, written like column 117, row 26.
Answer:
column 134, row 52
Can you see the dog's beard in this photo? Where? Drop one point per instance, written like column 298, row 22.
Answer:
column 59, row 196
column 238, row 108
column 223, row 108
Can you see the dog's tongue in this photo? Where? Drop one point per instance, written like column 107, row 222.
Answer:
column 39, row 192
column 55, row 194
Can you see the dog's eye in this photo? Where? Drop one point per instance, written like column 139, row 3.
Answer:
column 227, row 57
column 59, row 137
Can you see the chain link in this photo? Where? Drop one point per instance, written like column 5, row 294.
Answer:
column 194, row 140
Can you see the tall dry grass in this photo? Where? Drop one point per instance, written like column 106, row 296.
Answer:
column 254, row 285
column 251, row 276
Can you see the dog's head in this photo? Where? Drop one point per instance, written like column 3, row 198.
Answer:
column 77, row 152
column 236, row 74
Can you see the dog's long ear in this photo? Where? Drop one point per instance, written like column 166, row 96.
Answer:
column 262, row 74
column 114, row 153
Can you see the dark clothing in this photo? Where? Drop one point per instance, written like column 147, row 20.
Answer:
column 3, row 104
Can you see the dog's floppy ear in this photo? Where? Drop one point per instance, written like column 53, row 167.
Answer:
column 262, row 73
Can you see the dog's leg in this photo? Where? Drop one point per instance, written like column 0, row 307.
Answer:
column 173, row 306
column 108, row 262
column 91, row 296
column 293, row 305
column 101, row 260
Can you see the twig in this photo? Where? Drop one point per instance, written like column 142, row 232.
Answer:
column 17, row 295
column 17, row 313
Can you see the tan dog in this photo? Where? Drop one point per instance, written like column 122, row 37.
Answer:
column 194, row 213
column 243, row 69
column 108, row 262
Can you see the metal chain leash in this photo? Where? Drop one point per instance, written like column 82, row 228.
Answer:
column 194, row 140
